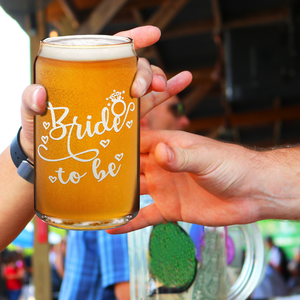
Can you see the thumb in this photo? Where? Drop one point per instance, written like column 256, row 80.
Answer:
column 33, row 103
column 176, row 159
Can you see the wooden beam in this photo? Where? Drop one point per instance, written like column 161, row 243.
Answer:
column 201, row 75
column 167, row 11
column 206, row 26
column 215, row 132
column 218, row 20
column 152, row 51
column 277, row 125
column 101, row 15
column 41, row 267
column 269, row 144
column 54, row 12
column 191, row 28
column 137, row 16
column 36, row 31
column 262, row 17
column 196, row 95
column 163, row 16
column 144, row 4
column 247, row 119
column 70, row 11
column 64, row 26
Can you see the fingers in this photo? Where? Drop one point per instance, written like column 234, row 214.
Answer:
column 143, row 78
column 152, row 81
column 174, row 159
column 142, row 36
column 143, row 180
column 147, row 216
column 198, row 159
column 148, row 78
column 159, row 80
column 150, row 138
column 178, row 151
column 174, row 86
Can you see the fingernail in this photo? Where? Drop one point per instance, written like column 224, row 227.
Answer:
column 163, row 80
column 170, row 153
column 34, row 105
column 142, row 85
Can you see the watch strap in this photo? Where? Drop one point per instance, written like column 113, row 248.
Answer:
column 16, row 152
column 20, row 159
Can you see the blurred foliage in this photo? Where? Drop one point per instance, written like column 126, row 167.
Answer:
column 286, row 234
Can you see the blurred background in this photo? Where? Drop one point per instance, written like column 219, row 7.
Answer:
column 244, row 57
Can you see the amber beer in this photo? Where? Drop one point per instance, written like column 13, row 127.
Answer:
column 87, row 141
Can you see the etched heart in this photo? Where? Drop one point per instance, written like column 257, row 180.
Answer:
column 118, row 157
column 52, row 178
column 129, row 124
column 46, row 125
column 104, row 143
column 44, row 139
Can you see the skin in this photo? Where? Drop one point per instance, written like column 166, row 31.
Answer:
column 199, row 180
column 17, row 204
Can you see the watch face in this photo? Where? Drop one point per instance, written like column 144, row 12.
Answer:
column 26, row 171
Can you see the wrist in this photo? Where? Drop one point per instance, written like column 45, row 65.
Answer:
column 280, row 188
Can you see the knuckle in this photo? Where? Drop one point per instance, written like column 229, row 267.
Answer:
column 183, row 159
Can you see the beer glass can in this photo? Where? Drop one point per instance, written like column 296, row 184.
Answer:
column 87, row 141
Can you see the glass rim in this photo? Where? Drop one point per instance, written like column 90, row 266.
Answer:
column 122, row 41
column 254, row 265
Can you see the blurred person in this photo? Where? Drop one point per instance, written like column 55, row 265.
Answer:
column 60, row 258
column 294, row 270
column 272, row 285
column 57, row 265
column 28, row 289
column 277, row 258
column 3, row 256
column 169, row 115
column 14, row 273
column 294, row 280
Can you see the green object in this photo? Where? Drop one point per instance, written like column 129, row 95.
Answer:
column 286, row 234
column 172, row 256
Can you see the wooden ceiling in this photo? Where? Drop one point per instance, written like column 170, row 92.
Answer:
column 192, row 39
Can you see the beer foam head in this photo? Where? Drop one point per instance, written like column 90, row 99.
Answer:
column 87, row 48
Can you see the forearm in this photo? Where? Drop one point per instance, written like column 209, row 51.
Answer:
column 278, row 186
column 16, row 200
column 122, row 290
column 59, row 263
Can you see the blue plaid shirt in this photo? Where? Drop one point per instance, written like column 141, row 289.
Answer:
column 95, row 261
